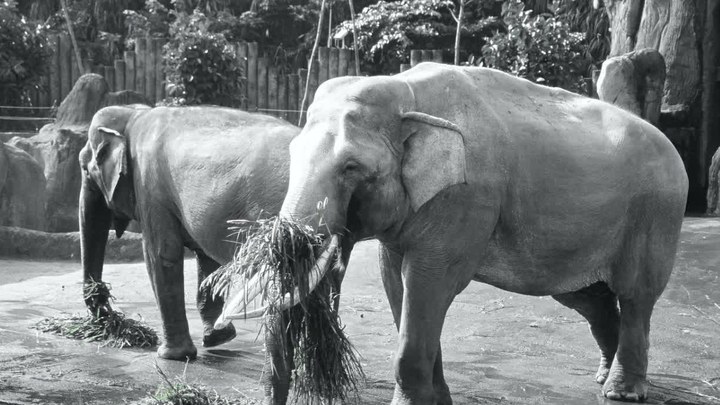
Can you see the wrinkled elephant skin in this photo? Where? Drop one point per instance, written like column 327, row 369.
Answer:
column 182, row 173
column 467, row 173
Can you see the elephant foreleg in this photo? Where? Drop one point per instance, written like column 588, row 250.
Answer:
column 163, row 249
column 210, row 307
column 390, row 266
column 94, row 217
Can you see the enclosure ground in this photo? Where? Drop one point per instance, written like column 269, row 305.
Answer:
column 498, row 347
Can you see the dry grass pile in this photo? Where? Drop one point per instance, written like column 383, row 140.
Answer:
column 326, row 363
column 106, row 325
column 178, row 391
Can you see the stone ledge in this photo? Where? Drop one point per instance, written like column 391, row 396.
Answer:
column 20, row 243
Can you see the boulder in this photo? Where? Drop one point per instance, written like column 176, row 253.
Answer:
column 57, row 146
column 22, row 189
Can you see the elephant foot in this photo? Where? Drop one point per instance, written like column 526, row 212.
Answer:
column 214, row 337
column 621, row 386
column 182, row 353
column 603, row 370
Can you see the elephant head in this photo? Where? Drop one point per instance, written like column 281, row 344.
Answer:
column 369, row 158
column 106, row 196
column 635, row 82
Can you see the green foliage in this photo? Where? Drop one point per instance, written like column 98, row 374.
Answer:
column 154, row 21
column 386, row 30
column 201, row 67
column 24, row 54
column 540, row 48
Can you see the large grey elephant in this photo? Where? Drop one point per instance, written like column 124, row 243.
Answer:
column 182, row 173
column 467, row 173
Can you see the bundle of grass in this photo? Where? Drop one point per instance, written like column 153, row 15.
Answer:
column 179, row 391
column 104, row 325
column 279, row 256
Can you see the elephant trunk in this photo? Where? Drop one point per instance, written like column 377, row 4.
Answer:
column 650, row 76
column 279, row 353
column 95, row 218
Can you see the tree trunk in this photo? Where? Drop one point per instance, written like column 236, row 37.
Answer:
column 675, row 29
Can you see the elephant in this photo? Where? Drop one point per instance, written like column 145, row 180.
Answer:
column 469, row 173
column 182, row 173
column 635, row 82
column 22, row 189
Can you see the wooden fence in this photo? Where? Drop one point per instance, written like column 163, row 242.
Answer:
column 266, row 89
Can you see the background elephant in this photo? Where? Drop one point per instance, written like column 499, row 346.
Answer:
column 22, row 189
column 181, row 173
column 635, row 82
column 467, row 173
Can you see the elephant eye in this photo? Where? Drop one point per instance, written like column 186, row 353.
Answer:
column 101, row 153
column 351, row 166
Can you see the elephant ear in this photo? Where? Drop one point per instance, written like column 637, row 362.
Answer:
column 434, row 157
column 110, row 161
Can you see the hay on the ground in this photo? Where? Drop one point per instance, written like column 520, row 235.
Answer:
column 106, row 325
column 178, row 391
column 326, row 364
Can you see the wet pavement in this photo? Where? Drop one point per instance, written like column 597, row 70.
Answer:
column 498, row 347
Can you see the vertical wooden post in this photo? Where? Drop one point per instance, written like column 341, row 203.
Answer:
column 334, row 57
column 242, row 55
column 74, row 70
column 351, row 69
column 129, row 70
column 415, row 57
column 283, row 84
column 109, row 73
column 252, row 79
column 427, row 55
column 273, row 90
column 119, row 74
column 262, row 82
column 437, row 55
column 150, row 69
column 65, row 67
column 293, row 94
column 140, row 51
column 343, row 61
column 324, row 64
column 55, row 77
column 159, row 72
column 314, row 83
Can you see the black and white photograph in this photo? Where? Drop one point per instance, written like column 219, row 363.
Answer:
column 328, row 202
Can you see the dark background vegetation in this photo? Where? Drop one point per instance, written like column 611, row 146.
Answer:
column 554, row 42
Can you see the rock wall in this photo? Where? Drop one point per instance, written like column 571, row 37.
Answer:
column 57, row 146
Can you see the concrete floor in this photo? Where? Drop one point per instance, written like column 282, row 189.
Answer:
column 498, row 347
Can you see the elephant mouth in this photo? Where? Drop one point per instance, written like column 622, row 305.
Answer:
column 236, row 306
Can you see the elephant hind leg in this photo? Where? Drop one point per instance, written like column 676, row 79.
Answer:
column 598, row 304
column 209, row 306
